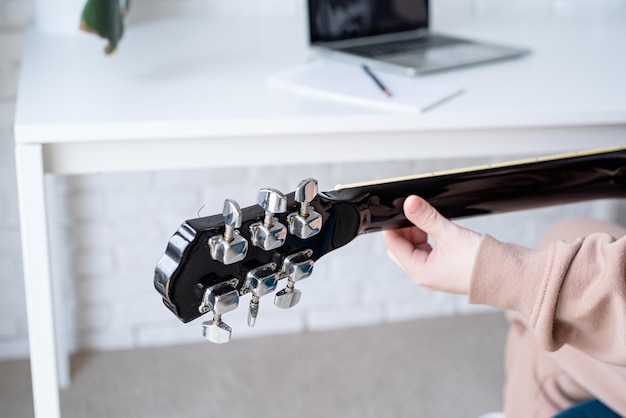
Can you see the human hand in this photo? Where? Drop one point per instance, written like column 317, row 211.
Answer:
column 448, row 265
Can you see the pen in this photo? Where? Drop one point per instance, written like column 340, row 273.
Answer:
column 376, row 80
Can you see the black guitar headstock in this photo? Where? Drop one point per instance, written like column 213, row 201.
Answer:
column 211, row 262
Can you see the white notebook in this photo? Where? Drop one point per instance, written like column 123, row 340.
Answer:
column 350, row 83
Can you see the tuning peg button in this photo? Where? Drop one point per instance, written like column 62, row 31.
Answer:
column 295, row 267
column 269, row 234
column 230, row 247
column 216, row 331
column 232, row 217
column 271, row 200
column 260, row 281
column 307, row 222
column 220, row 299
column 288, row 297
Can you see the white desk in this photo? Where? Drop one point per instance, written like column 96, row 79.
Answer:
column 178, row 95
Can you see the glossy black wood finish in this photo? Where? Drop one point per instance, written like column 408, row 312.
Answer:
column 492, row 190
column 186, row 269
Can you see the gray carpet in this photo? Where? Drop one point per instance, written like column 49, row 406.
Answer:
column 442, row 367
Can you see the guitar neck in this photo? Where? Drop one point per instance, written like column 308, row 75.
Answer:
column 491, row 189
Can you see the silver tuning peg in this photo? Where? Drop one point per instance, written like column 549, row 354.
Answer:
column 220, row 299
column 270, row 233
column 307, row 222
column 260, row 281
column 230, row 247
column 295, row 267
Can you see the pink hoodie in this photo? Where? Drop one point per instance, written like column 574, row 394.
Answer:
column 568, row 303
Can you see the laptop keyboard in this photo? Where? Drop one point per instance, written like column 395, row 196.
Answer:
column 400, row 46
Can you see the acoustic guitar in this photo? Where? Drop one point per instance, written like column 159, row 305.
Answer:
column 211, row 262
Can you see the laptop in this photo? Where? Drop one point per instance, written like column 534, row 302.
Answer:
column 394, row 35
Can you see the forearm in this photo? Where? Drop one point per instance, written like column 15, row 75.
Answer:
column 570, row 293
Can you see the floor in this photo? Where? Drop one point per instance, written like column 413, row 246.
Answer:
column 439, row 367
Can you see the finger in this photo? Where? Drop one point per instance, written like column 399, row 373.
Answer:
column 398, row 247
column 423, row 215
column 405, row 253
column 412, row 234
column 396, row 242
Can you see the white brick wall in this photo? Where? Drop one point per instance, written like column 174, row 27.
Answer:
column 14, row 15
column 115, row 227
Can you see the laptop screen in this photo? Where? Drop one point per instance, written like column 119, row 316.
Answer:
column 335, row 20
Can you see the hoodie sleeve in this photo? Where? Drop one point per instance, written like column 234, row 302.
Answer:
column 570, row 293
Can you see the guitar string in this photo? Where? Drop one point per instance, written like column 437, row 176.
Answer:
column 476, row 168
column 200, row 210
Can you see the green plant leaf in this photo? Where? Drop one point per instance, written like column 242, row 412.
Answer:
column 106, row 19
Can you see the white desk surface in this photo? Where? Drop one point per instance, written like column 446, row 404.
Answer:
column 199, row 77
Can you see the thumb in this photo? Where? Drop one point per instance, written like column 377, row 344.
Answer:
column 423, row 215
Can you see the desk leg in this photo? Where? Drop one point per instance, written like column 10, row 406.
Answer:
column 57, row 273
column 37, row 279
